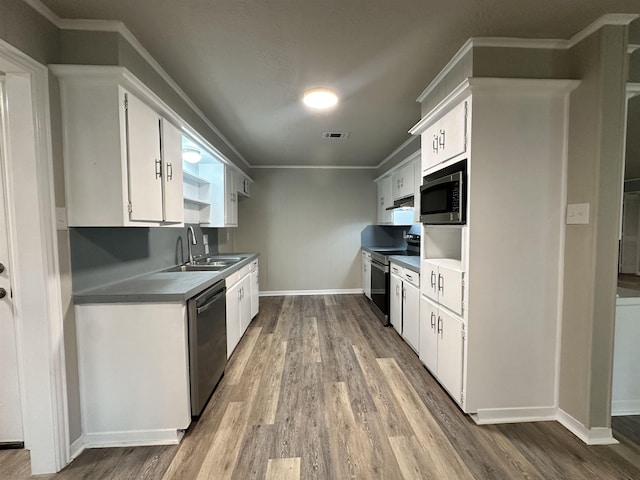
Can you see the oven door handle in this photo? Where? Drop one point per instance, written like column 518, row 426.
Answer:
column 380, row 266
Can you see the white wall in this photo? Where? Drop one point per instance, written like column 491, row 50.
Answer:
column 306, row 225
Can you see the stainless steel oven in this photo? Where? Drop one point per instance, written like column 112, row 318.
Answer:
column 207, row 343
column 380, row 276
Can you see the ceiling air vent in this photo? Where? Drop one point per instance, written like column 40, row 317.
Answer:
column 336, row 134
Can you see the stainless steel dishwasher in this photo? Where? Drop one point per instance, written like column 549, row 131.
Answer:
column 207, row 343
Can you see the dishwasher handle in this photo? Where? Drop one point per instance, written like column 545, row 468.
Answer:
column 210, row 302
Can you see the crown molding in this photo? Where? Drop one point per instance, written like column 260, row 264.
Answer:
column 395, row 152
column 497, row 42
column 313, row 167
column 632, row 47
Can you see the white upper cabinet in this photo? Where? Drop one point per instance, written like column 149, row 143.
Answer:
column 116, row 169
column 385, row 200
column 445, row 139
column 403, row 181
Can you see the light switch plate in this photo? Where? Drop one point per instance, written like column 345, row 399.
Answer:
column 578, row 214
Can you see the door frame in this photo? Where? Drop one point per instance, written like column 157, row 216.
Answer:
column 36, row 288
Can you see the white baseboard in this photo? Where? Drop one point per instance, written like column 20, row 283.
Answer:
column 625, row 407
column 77, row 447
column 282, row 293
column 514, row 415
column 133, row 438
column 590, row 436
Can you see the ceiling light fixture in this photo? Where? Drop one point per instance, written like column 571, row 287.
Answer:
column 191, row 155
column 320, row 98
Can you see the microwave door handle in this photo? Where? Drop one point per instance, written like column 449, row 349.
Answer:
column 446, row 179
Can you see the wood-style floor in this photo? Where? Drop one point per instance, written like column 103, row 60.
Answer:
column 318, row 389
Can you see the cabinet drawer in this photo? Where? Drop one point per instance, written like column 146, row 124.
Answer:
column 396, row 270
column 445, row 139
column 411, row 277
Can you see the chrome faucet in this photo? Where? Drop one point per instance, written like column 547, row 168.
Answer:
column 193, row 241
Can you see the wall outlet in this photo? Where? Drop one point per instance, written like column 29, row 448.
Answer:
column 578, row 214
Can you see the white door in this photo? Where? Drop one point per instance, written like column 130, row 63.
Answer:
column 10, row 403
column 231, row 199
column 145, row 162
column 245, row 304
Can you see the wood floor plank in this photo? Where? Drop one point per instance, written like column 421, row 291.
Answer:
column 223, row 452
column 268, row 394
column 348, row 445
column 311, row 341
column 412, row 461
column 391, row 415
column 257, row 447
column 441, row 453
column 238, row 362
column 267, row 317
column 283, row 469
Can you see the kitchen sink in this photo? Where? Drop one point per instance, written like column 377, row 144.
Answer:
column 196, row 268
column 208, row 264
column 218, row 261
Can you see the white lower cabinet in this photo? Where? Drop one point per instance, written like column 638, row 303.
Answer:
column 411, row 315
column 442, row 346
column 133, row 365
column 404, row 304
column 238, row 306
column 366, row 274
column 255, row 289
column 395, row 300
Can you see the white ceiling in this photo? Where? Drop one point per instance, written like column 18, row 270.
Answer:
column 247, row 63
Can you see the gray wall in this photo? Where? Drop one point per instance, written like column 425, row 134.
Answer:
column 591, row 251
column 306, row 225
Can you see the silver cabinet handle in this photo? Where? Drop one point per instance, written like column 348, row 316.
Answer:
column 440, row 283
column 440, row 325
column 169, row 171
column 433, row 279
column 433, row 319
column 434, row 144
column 158, row 168
column 404, row 292
column 397, row 290
column 441, row 139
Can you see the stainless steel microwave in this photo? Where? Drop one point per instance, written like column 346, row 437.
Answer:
column 443, row 196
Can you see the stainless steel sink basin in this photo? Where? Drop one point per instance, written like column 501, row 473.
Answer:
column 218, row 261
column 196, row 268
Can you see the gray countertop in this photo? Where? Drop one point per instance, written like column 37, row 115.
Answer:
column 160, row 286
column 412, row 263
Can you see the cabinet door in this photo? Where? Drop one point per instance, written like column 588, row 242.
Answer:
column 233, row 318
column 450, row 288
column 173, row 199
column 429, row 280
column 245, row 304
column 428, row 336
column 407, row 181
column 450, row 351
column 385, row 199
column 411, row 316
column 255, row 289
column 395, row 303
column 231, row 198
column 445, row 139
column 144, row 161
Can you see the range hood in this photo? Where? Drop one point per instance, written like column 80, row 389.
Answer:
column 402, row 203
